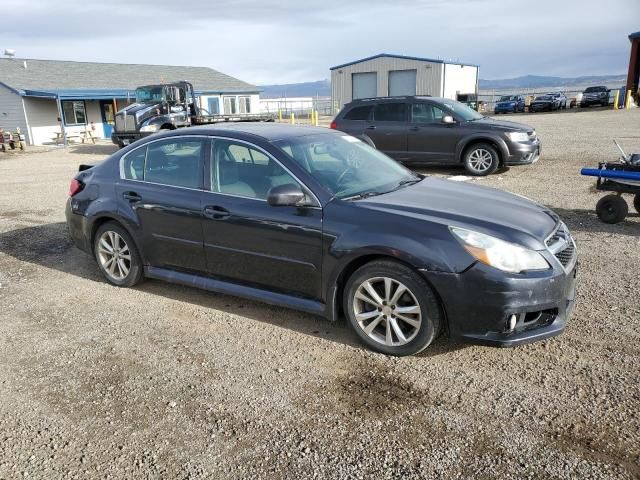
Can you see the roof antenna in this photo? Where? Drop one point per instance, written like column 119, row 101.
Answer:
column 9, row 52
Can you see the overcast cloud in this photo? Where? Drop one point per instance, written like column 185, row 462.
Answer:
column 288, row 41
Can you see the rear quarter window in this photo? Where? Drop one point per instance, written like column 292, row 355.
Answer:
column 359, row 113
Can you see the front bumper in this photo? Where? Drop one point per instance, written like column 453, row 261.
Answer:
column 587, row 102
column 523, row 153
column 541, row 107
column 505, row 108
column 127, row 138
column 479, row 302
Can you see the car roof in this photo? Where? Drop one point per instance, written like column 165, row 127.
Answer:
column 374, row 100
column 269, row 131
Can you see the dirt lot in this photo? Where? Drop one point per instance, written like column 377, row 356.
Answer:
column 163, row 381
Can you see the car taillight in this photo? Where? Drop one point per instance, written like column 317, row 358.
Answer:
column 75, row 187
column 333, row 125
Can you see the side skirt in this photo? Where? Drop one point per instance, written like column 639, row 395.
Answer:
column 235, row 289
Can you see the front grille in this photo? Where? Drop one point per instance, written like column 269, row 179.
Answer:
column 565, row 256
column 562, row 246
column 120, row 123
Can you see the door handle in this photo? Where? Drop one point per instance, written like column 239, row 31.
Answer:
column 371, row 127
column 132, row 197
column 216, row 212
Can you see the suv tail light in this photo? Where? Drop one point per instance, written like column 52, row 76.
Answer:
column 333, row 125
column 75, row 187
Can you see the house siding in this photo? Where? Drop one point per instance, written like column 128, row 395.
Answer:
column 43, row 119
column 12, row 113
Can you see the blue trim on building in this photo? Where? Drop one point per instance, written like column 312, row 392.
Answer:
column 402, row 57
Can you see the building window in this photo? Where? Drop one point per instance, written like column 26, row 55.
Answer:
column 230, row 106
column 245, row 104
column 74, row 112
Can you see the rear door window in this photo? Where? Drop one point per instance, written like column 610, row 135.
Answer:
column 175, row 162
column 359, row 113
column 390, row 112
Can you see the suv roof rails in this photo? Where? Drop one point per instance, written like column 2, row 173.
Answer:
column 399, row 97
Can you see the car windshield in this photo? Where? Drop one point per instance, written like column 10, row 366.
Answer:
column 462, row 110
column 543, row 97
column 149, row 94
column 508, row 98
column 346, row 166
column 594, row 89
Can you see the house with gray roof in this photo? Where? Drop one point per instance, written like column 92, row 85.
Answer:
column 38, row 95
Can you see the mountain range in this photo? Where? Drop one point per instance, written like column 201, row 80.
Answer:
column 322, row 88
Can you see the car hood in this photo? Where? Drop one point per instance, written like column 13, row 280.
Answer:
column 504, row 215
column 503, row 125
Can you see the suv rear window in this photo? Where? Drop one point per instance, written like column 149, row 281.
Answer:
column 359, row 113
column 390, row 112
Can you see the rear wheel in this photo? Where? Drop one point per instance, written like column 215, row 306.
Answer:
column 481, row 159
column 117, row 255
column 391, row 308
column 612, row 209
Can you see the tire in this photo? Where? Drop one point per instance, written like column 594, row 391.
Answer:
column 636, row 202
column 425, row 317
column 612, row 209
column 478, row 154
column 108, row 235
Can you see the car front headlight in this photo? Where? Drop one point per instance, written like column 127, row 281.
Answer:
column 150, row 128
column 499, row 254
column 518, row 136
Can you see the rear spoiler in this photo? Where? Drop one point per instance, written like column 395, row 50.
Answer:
column 84, row 167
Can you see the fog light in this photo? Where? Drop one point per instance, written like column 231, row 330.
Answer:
column 512, row 322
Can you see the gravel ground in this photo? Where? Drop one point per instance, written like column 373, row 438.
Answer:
column 163, row 381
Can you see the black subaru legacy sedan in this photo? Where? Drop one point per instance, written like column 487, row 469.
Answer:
column 318, row 221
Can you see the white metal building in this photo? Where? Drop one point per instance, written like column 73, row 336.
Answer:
column 397, row 75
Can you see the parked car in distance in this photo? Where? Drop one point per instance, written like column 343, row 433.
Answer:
column 509, row 104
column 595, row 96
column 319, row 221
column 438, row 130
column 560, row 100
column 544, row 103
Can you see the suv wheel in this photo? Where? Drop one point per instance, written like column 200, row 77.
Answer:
column 481, row 159
column 391, row 308
column 117, row 255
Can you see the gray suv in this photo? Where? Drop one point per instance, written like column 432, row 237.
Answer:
column 438, row 130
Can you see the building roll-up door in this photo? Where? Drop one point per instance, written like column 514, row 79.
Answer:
column 402, row 82
column 365, row 85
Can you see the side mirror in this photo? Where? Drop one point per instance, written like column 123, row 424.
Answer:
column 448, row 120
column 286, row 195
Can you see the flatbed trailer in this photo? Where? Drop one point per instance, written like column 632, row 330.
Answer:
column 167, row 107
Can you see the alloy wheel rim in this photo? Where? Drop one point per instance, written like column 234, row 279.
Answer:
column 114, row 255
column 480, row 160
column 387, row 311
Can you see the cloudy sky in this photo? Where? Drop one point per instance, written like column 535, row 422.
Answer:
column 283, row 41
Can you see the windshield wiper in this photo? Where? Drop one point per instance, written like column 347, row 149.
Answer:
column 360, row 196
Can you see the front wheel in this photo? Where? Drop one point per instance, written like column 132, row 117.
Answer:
column 117, row 255
column 392, row 309
column 481, row 160
column 612, row 209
